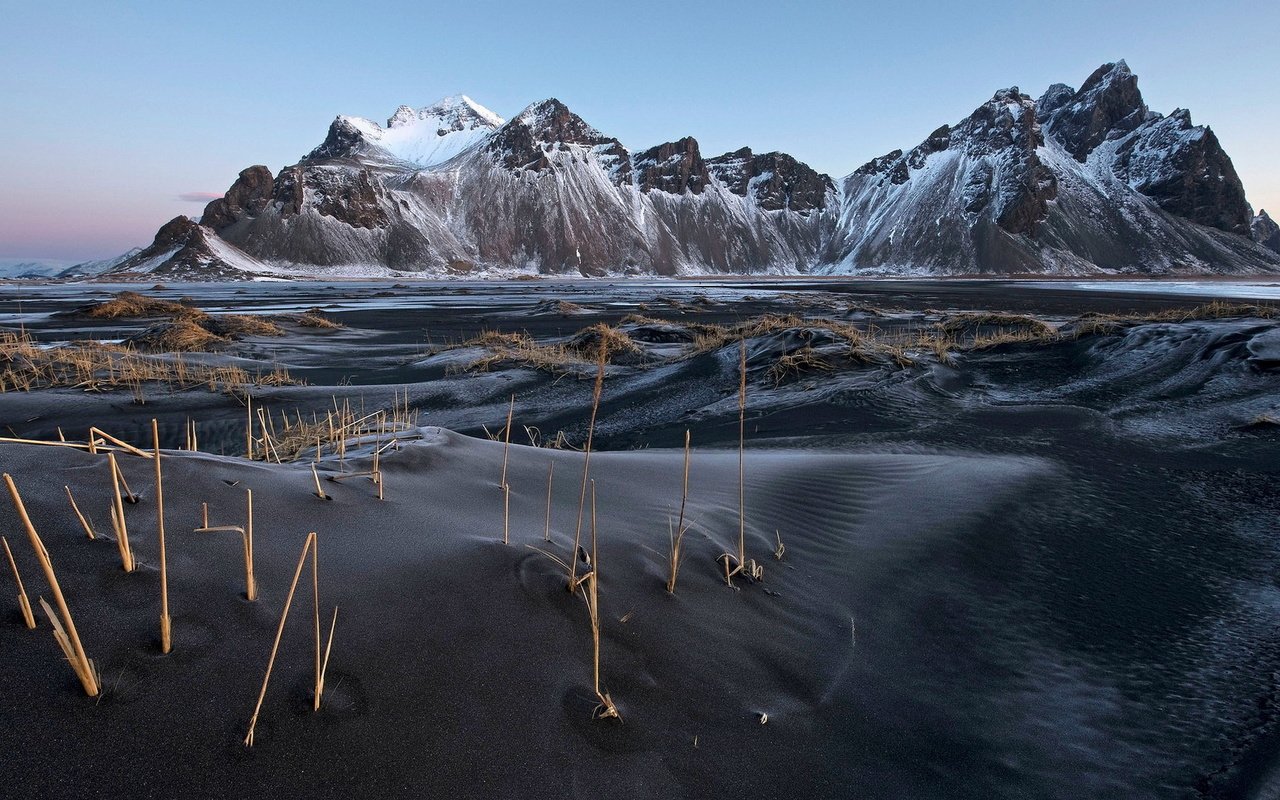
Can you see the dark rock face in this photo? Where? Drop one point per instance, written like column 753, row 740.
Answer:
column 344, row 141
column 1015, row 181
column 675, row 168
column 524, row 142
column 1186, row 172
column 1004, row 178
column 1266, row 232
column 248, row 196
column 349, row 196
column 1181, row 167
column 1054, row 98
column 173, row 233
column 777, row 181
column 1106, row 106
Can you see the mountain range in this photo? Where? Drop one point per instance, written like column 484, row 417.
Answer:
column 1078, row 181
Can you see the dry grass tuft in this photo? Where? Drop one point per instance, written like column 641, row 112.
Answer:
column 180, row 335
column 959, row 325
column 714, row 337
column 26, row 366
column 314, row 318
column 794, row 365
column 125, row 305
column 1097, row 324
column 580, row 351
column 230, row 325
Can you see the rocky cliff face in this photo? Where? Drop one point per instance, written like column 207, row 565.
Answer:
column 1266, row 232
column 1077, row 181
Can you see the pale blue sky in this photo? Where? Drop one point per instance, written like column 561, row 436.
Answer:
column 110, row 112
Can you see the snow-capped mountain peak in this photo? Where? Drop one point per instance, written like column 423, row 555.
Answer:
column 551, row 121
column 422, row 137
column 453, row 113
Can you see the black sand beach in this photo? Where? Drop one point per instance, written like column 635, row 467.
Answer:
column 1041, row 567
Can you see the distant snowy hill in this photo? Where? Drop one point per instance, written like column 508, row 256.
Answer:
column 11, row 268
column 1078, row 181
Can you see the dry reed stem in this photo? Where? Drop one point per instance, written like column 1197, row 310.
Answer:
column 506, row 445
column 506, row 514
column 781, row 549
column 70, row 641
column 319, row 489
column 250, row 582
column 166, row 639
column 315, row 596
column 76, row 445
column 328, row 649
column 678, row 537
column 275, row 647
column 84, row 523
column 117, row 517
column 23, row 603
column 123, row 445
column 586, row 466
column 546, row 530
column 606, row 708
column 742, row 417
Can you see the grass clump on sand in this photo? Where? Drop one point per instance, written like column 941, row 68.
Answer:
column 580, row 351
column 960, row 326
column 714, row 337
column 180, row 335
column 315, row 318
column 93, row 367
column 229, row 325
column 1098, row 324
column 199, row 332
column 125, row 305
column 794, row 365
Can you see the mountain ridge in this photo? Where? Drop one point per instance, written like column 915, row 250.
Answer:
column 1078, row 181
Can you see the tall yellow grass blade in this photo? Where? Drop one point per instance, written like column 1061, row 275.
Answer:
column 166, row 641
column 84, row 523
column 275, row 647
column 23, row 603
column 83, row 667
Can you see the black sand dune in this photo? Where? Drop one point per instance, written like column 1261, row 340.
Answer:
column 1033, row 570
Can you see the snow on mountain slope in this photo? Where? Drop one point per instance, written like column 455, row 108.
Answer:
column 419, row 138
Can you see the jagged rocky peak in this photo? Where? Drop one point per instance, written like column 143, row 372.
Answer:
column 1005, row 124
column 776, row 181
column 1265, row 231
column 1107, row 106
column 1184, row 169
column 1008, row 119
column 674, row 167
column 550, row 121
column 248, row 196
column 547, row 128
column 348, row 138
